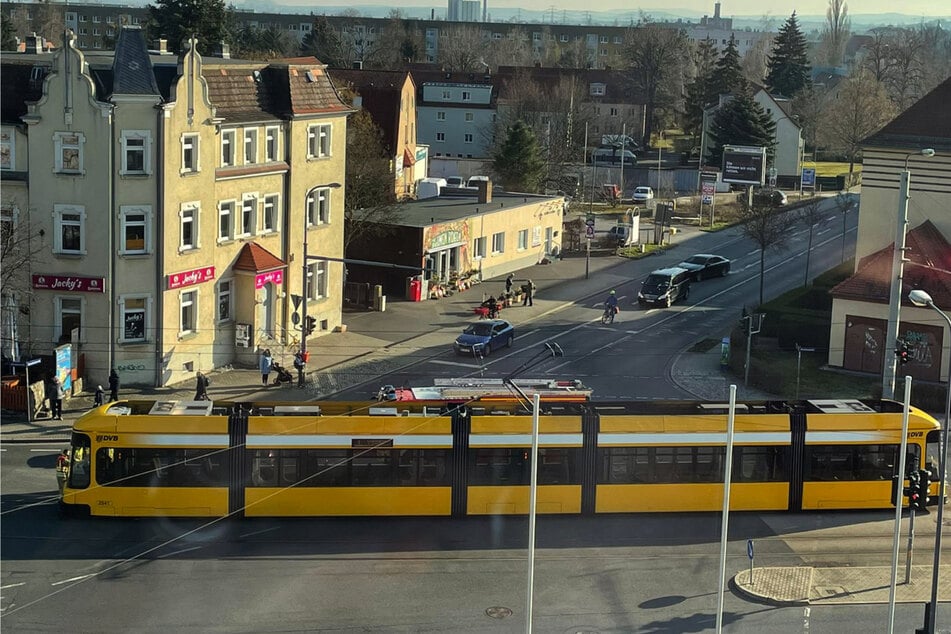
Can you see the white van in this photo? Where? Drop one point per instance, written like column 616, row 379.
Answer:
column 473, row 180
column 429, row 187
column 612, row 156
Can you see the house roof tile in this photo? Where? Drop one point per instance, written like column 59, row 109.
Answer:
column 257, row 259
column 927, row 123
column 928, row 268
column 132, row 68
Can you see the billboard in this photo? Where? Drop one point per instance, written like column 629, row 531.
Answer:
column 744, row 165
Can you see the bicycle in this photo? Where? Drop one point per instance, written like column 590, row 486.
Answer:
column 608, row 316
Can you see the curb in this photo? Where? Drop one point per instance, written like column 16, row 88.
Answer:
column 799, row 582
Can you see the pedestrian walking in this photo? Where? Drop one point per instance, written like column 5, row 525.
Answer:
column 56, row 396
column 508, row 283
column 299, row 365
column 529, row 288
column 113, row 386
column 62, row 469
column 201, row 387
column 98, row 398
column 265, row 363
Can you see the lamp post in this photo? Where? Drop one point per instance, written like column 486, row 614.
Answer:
column 898, row 267
column 305, row 296
column 921, row 298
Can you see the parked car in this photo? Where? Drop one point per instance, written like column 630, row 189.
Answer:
column 621, row 233
column 484, row 336
column 771, row 196
column 665, row 286
column 613, row 156
column 455, row 181
column 704, row 265
column 643, row 194
column 474, row 180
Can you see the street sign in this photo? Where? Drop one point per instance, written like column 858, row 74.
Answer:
column 296, row 300
column 589, row 231
column 808, row 177
column 589, row 222
column 707, row 199
column 749, row 548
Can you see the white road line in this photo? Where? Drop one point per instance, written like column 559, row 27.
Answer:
column 179, row 552
column 455, row 363
column 40, row 450
column 73, row 579
column 13, row 585
column 266, row 530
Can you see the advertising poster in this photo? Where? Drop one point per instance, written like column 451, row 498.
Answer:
column 64, row 366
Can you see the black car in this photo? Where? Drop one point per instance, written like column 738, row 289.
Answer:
column 704, row 265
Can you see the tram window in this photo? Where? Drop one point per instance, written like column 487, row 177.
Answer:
column 494, row 467
column 79, row 462
column 846, row 463
column 759, row 464
column 263, row 468
column 932, row 450
column 373, row 468
column 289, row 470
column 135, row 467
column 330, row 467
column 709, row 467
column 432, row 467
column 664, row 469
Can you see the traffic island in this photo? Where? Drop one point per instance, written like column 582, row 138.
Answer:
column 776, row 585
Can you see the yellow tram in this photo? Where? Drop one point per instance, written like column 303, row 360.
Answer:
column 451, row 458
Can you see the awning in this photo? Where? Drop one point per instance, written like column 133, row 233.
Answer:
column 409, row 158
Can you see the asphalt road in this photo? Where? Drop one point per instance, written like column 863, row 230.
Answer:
column 631, row 358
column 628, row 573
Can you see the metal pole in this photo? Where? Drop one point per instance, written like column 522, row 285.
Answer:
column 587, row 259
column 911, row 544
column 725, row 523
column 943, row 471
column 303, row 281
column 531, row 515
column 845, row 213
column 901, row 483
column 798, row 365
column 894, row 298
column 623, row 148
column 29, row 393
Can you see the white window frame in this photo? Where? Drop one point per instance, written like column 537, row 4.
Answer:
column 564, row 37
column 597, row 89
column 187, row 299
column 272, row 144
column 58, row 301
column 271, row 213
column 128, row 138
column 250, row 146
column 470, row 117
column 498, row 243
column 522, row 239
column 318, row 140
column 189, row 212
column 224, row 290
column 466, row 95
column 478, row 248
column 190, row 141
column 146, row 311
column 318, row 207
column 227, row 148
column 59, row 223
column 68, row 142
column 468, row 138
column 247, row 221
column 440, row 115
column 8, row 146
column 440, row 137
column 446, row 95
column 316, row 280
column 536, row 236
column 128, row 217
column 226, row 209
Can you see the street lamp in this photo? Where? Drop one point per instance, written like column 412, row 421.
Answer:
column 898, row 267
column 921, row 299
column 305, row 296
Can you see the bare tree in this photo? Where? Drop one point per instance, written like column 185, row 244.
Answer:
column 512, row 50
column 835, row 33
column 811, row 215
column 657, row 56
column 462, row 48
column 19, row 247
column 370, row 208
column 843, row 204
column 770, row 227
column 754, row 62
column 810, row 106
column 861, row 107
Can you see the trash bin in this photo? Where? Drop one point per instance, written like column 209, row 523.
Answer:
column 415, row 289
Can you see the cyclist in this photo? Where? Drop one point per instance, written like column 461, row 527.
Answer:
column 610, row 307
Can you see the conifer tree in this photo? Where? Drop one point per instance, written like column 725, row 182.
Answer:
column 699, row 93
column 518, row 162
column 741, row 121
column 789, row 70
column 210, row 21
column 728, row 75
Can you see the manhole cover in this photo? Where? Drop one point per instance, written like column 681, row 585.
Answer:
column 830, row 591
column 498, row 612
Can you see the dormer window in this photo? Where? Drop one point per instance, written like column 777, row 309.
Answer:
column 598, row 90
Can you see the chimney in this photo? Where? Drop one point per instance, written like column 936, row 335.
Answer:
column 485, row 192
column 222, row 50
column 34, row 43
column 161, row 46
column 358, row 64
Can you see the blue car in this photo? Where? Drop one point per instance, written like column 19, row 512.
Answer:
column 483, row 336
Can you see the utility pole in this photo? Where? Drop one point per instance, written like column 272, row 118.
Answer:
column 749, row 341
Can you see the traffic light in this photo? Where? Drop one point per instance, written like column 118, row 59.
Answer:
column 902, row 353
column 922, row 484
column 911, row 491
column 310, row 325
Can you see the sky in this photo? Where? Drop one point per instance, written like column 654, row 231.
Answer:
column 697, row 7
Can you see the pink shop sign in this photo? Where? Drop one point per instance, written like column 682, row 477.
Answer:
column 190, row 278
column 70, row 283
column 271, row 277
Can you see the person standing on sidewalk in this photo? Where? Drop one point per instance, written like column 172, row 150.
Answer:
column 529, row 293
column 56, row 396
column 299, row 365
column 508, row 284
column 113, row 386
column 98, row 398
column 265, row 364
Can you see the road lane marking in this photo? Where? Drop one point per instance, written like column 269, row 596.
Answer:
column 74, row 579
column 13, row 585
column 179, row 552
column 455, row 363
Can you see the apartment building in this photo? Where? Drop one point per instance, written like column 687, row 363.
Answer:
column 166, row 199
column 456, row 113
